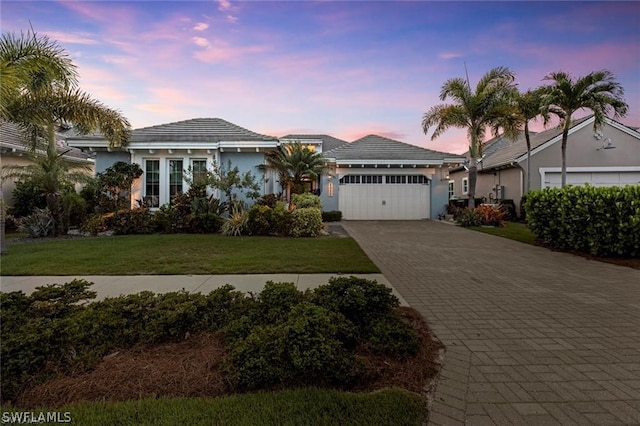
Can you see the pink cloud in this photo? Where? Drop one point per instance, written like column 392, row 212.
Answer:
column 450, row 55
column 224, row 5
column 201, row 26
column 71, row 38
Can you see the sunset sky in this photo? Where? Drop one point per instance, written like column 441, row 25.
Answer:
column 347, row 68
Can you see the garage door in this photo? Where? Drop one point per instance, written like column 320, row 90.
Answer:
column 392, row 197
column 594, row 178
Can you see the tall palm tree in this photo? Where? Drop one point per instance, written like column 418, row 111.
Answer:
column 472, row 110
column 296, row 164
column 43, row 93
column 598, row 91
column 524, row 107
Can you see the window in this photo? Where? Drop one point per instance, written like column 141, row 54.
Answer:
column 452, row 186
column 198, row 170
column 152, row 183
column 175, row 177
column 362, row 179
column 465, row 185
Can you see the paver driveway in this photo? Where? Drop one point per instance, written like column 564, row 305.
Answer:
column 532, row 336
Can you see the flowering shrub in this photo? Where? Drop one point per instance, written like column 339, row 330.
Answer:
column 483, row 215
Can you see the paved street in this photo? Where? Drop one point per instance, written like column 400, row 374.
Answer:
column 532, row 336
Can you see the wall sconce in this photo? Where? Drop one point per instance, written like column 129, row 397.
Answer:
column 330, row 189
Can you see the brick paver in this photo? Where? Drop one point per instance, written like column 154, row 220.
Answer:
column 532, row 336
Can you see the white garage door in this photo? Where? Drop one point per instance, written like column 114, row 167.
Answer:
column 386, row 199
column 594, row 178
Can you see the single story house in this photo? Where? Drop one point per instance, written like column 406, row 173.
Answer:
column 608, row 157
column 370, row 178
column 14, row 152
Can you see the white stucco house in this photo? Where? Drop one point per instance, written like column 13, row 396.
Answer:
column 370, row 178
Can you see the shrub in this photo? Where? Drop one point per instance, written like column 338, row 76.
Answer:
column 38, row 224
column 508, row 207
column 483, row 215
column 168, row 219
column 268, row 200
column 260, row 221
column 74, row 207
column 281, row 219
column 390, row 335
column 97, row 223
column 236, row 224
column 135, row 221
column 600, row 221
column 27, row 197
column 303, row 349
column 202, row 223
column 306, row 222
column 306, row 200
column 276, row 300
column 332, row 216
column 361, row 301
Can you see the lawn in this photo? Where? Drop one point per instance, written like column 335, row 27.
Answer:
column 512, row 230
column 289, row 407
column 179, row 254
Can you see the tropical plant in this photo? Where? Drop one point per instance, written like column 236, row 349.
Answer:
column 118, row 179
column 472, row 110
column 296, row 164
column 598, row 91
column 528, row 106
column 39, row 92
column 230, row 181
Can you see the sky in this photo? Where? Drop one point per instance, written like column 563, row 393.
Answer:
column 344, row 68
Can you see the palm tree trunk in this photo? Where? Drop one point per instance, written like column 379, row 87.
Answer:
column 473, row 177
column 563, row 149
column 526, row 136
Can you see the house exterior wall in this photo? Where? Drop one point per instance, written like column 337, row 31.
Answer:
column 9, row 185
column 329, row 192
column 582, row 152
column 105, row 159
column 510, row 178
column 247, row 162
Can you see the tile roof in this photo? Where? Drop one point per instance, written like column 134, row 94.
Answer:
column 507, row 151
column 374, row 147
column 328, row 142
column 194, row 130
column 12, row 138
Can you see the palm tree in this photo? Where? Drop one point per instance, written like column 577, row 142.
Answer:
column 474, row 111
column 525, row 107
column 295, row 165
column 598, row 91
column 42, row 93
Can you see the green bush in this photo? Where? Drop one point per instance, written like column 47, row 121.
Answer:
column 268, row 200
column 281, row 219
column 27, row 196
column 390, row 335
column 276, row 300
column 202, row 223
column 306, row 222
column 306, row 200
column 304, row 349
column 260, row 221
column 96, row 223
column 332, row 216
column 135, row 221
column 361, row 301
column 168, row 219
column 600, row 221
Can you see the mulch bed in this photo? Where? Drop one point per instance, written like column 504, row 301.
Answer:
column 192, row 368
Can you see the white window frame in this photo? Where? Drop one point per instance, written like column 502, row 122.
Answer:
column 452, row 189
column 465, row 185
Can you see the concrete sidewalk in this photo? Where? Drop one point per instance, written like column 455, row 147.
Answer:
column 112, row 285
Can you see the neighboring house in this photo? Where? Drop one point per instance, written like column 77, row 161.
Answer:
column 610, row 157
column 14, row 152
column 371, row 178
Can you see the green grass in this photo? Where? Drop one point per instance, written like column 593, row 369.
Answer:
column 307, row 406
column 185, row 254
column 512, row 230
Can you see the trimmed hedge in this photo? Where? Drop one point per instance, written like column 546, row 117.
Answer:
column 306, row 222
column 332, row 216
column 600, row 221
column 280, row 336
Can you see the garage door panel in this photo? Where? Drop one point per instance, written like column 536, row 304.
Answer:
column 384, row 201
column 593, row 178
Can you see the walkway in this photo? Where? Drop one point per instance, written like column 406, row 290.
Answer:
column 532, row 336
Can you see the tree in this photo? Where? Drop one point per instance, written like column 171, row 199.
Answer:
column 41, row 93
column 472, row 110
column 516, row 116
column 296, row 164
column 597, row 91
column 118, row 179
column 230, row 181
